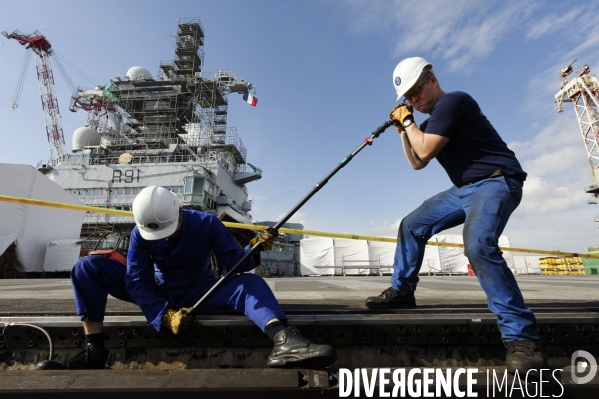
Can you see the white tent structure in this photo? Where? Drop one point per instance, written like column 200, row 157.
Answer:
column 317, row 256
column 32, row 227
column 61, row 255
column 330, row 256
column 529, row 264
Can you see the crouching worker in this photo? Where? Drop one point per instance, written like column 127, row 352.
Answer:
column 167, row 272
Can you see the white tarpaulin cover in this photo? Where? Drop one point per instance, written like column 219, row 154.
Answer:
column 321, row 255
column 529, row 264
column 383, row 252
column 32, row 226
column 351, row 253
column 61, row 255
column 316, row 253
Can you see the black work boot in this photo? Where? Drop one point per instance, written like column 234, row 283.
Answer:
column 91, row 358
column 293, row 350
column 523, row 356
column 392, row 299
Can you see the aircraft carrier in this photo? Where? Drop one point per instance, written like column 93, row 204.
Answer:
column 170, row 130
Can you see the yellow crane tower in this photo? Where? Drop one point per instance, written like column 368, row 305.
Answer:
column 582, row 90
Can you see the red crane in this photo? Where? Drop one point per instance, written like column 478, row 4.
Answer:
column 43, row 50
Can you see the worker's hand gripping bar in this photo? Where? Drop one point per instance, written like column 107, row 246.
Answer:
column 289, row 214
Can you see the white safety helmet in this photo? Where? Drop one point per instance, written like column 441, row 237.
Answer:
column 407, row 73
column 156, row 212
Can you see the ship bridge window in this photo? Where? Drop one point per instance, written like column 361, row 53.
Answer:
column 188, row 185
column 97, row 192
column 128, row 191
column 104, row 192
column 210, row 203
column 120, row 191
column 282, row 248
column 210, row 188
column 89, row 192
column 193, row 189
column 198, row 185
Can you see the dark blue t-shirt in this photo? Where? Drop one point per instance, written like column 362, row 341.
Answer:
column 474, row 150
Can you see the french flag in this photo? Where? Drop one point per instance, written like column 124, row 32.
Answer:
column 250, row 98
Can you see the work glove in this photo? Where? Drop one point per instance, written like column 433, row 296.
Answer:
column 266, row 237
column 399, row 113
column 178, row 320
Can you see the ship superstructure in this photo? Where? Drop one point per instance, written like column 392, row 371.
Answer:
column 169, row 131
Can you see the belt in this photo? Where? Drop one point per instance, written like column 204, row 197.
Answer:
column 497, row 173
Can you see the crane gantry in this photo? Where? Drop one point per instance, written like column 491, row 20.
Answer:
column 42, row 49
column 582, row 91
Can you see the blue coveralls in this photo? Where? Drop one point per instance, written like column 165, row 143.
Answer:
column 483, row 204
column 174, row 273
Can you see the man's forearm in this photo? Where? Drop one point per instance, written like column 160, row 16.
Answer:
column 411, row 155
column 416, row 140
column 426, row 145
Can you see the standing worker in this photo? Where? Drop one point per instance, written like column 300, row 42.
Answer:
column 487, row 187
column 167, row 272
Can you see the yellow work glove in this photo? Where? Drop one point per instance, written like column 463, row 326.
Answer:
column 266, row 238
column 177, row 320
column 399, row 113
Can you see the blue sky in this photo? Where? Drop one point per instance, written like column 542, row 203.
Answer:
column 322, row 71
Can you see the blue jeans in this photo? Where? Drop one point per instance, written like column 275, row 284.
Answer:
column 484, row 207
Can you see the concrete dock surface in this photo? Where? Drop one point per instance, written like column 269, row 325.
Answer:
column 451, row 327
column 330, row 293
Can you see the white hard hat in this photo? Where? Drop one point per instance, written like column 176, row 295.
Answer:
column 156, row 212
column 407, row 73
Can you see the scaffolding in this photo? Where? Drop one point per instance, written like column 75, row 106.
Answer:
column 181, row 116
column 177, row 116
